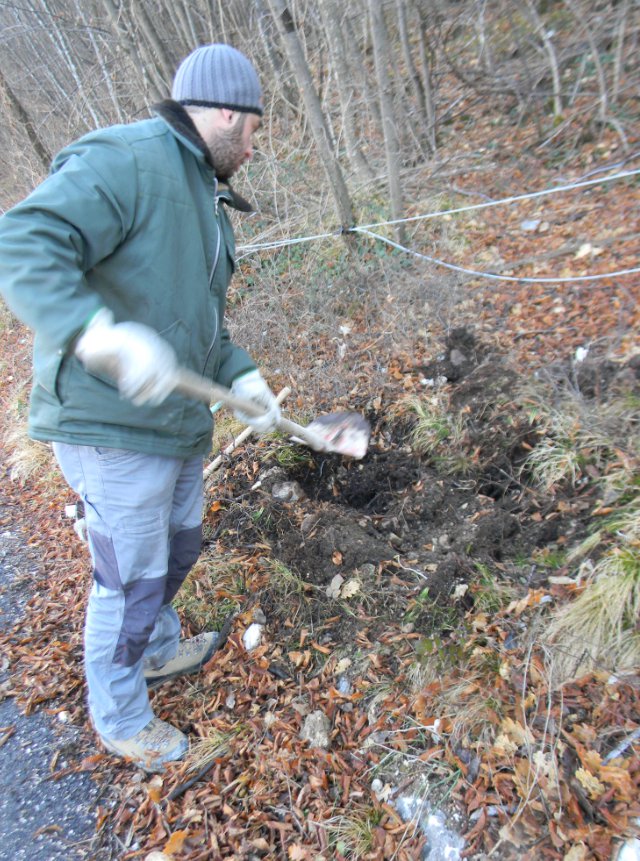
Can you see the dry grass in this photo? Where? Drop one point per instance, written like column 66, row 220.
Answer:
column 284, row 584
column 599, row 629
column 440, row 433
column 212, row 591
column 27, row 458
column 214, row 745
column 353, row 835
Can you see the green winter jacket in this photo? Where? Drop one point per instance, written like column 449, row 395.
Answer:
column 130, row 218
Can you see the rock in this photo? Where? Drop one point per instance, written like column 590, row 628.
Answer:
column 287, row 491
column 457, row 358
column 259, row 617
column 270, row 476
column 316, row 730
column 333, row 589
column 444, row 542
column 344, row 686
column 252, row 637
column 629, row 851
column 367, row 570
column 308, row 522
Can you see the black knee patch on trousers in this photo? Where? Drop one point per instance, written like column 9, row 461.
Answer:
column 183, row 554
column 142, row 602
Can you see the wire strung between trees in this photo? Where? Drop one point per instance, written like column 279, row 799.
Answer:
column 514, row 199
column 492, row 275
column 365, row 230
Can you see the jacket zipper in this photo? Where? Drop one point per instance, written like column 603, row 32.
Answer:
column 214, row 266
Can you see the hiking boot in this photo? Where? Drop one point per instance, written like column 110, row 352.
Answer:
column 191, row 655
column 156, row 744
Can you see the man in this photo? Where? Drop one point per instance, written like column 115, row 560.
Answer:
column 120, row 262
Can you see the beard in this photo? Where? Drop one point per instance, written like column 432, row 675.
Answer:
column 226, row 150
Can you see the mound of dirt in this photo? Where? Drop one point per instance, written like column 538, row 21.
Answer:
column 420, row 534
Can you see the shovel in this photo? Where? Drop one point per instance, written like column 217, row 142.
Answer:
column 343, row 432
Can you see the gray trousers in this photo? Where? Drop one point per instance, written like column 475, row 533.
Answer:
column 144, row 522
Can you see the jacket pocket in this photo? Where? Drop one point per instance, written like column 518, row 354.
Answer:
column 47, row 371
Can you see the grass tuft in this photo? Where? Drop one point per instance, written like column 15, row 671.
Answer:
column 599, row 628
column 27, row 458
column 352, row 835
column 213, row 589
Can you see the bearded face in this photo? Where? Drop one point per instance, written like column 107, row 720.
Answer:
column 228, row 149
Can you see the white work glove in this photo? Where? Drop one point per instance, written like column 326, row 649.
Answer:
column 252, row 387
column 142, row 363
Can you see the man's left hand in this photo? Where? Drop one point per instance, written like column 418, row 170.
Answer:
column 252, row 387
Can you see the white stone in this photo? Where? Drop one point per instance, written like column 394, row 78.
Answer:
column 630, row 850
column 252, row 637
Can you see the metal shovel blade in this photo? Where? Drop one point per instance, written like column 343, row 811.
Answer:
column 344, row 433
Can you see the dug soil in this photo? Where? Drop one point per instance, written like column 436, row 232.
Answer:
column 406, row 535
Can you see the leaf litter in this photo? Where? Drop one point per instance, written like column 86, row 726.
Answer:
column 414, row 675
column 401, row 596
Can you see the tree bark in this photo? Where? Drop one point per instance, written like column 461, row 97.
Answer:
column 412, row 72
column 163, row 62
column 287, row 93
column 105, row 76
column 389, row 125
column 550, row 51
column 345, row 87
column 23, row 121
column 427, row 84
column 317, row 120
column 154, row 89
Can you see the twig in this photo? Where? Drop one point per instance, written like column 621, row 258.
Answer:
column 620, row 749
column 183, row 787
column 225, row 630
column 238, row 440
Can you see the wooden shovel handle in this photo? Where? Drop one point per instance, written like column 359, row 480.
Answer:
column 194, row 386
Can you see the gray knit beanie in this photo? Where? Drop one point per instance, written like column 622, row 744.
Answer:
column 218, row 76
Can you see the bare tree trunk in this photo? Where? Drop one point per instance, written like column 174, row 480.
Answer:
column 389, row 125
column 603, row 103
column 619, row 52
column 163, row 62
column 287, row 93
column 595, row 56
column 154, row 87
column 61, row 44
column 317, row 119
column 550, row 51
column 184, row 41
column 104, row 71
column 427, row 85
column 184, row 13
column 486, row 57
column 357, row 64
column 345, row 87
column 23, row 120
column 414, row 78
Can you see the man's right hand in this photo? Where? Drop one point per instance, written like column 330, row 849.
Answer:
column 142, row 363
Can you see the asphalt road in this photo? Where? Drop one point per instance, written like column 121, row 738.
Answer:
column 40, row 819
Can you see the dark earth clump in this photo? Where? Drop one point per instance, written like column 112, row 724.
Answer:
column 410, row 529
